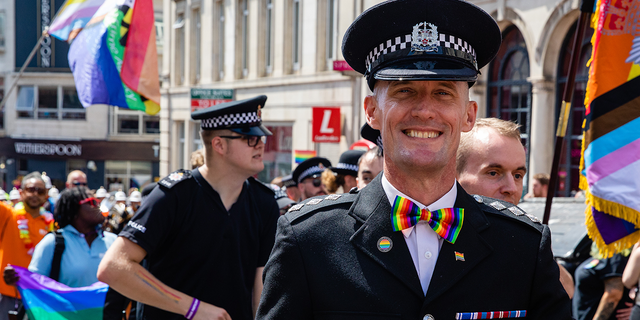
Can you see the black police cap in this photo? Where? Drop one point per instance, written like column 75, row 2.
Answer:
column 288, row 181
column 421, row 40
column 371, row 134
column 348, row 163
column 311, row 167
column 242, row 116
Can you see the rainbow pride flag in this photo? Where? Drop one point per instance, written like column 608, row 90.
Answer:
column 72, row 17
column 302, row 155
column 610, row 164
column 114, row 59
column 47, row 299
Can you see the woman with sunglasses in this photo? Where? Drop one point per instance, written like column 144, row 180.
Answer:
column 78, row 215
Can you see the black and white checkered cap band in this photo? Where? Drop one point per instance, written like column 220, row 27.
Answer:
column 309, row 172
column 228, row 120
column 399, row 43
column 347, row 166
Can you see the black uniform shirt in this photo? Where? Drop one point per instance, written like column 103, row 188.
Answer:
column 195, row 246
column 590, row 277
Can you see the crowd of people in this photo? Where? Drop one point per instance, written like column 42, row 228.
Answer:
column 422, row 225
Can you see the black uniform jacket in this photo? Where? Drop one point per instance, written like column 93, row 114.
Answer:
column 326, row 264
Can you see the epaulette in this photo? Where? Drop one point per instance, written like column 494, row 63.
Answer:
column 262, row 185
column 316, row 203
column 508, row 209
column 175, row 178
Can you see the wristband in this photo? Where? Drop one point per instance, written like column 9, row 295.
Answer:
column 192, row 309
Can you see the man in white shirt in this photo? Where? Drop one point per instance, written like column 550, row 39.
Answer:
column 413, row 244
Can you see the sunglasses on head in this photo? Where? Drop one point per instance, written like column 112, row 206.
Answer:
column 37, row 190
column 252, row 141
column 76, row 183
column 91, row 201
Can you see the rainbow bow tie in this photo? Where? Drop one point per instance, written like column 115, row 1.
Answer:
column 447, row 222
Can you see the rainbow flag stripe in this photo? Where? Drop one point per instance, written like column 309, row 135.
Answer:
column 445, row 222
column 45, row 298
column 491, row 315
column 302, row 155
column 459, row 256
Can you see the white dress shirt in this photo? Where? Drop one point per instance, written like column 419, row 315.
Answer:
column 424, row 243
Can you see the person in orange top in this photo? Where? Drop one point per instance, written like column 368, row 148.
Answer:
column 20, row 230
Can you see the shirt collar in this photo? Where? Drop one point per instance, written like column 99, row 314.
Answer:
column 446, row 201
column 71, row 229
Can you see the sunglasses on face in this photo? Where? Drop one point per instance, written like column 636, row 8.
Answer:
column 316, row 182
column 252, row 141
column 37, row 190
column 91, row 201
column 76, row 183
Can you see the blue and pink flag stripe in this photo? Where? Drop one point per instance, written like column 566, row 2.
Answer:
column 72, row 17
column 48, row 299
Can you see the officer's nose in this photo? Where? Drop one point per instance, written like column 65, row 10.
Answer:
column 509, row 186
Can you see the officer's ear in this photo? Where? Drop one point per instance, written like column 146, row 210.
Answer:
column 219, row 145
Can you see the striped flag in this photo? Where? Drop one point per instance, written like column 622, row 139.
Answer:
column 72, row 17
column 114, row 59
column 610, row 165
column 47, row 299
column 302, row 155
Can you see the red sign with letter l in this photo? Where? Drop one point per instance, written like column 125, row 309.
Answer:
column 326, row 124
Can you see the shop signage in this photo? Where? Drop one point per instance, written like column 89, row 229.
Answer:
column 205, row 98
column 48, row 149
column 341, row 65
column 326, row 125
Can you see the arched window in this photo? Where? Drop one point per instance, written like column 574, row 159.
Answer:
column 568, row 169
column 509, row 95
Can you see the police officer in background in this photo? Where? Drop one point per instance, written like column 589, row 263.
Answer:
column 308, row 175
column 413, row 244
column 206, row 233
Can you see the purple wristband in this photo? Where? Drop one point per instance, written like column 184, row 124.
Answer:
column 192, row 309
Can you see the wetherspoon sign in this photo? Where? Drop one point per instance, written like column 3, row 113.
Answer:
column 205, row 98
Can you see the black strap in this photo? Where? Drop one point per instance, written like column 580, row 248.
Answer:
column 57, row 256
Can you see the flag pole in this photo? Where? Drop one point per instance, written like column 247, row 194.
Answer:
column 45, row 33
column 24, row 66
column 586, row 9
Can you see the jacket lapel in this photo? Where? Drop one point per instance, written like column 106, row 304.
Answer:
column 448, row 269
column 373, row 209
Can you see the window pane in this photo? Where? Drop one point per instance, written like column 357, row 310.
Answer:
column 151, row 124
column 221, row 40
column 48, row 98
column 128, row 124
column 70, row 99
column 25, row 98
column 47, row 114
column 74, row 115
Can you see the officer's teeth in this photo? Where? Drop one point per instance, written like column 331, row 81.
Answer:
column 422, row 134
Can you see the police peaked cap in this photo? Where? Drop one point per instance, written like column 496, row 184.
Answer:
column 421, row 40
column 288, row 181
column 243, row 117
column 348, row 164
column 371, row 134
column 311, row 167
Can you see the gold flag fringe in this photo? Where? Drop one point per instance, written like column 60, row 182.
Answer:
column 616, row 210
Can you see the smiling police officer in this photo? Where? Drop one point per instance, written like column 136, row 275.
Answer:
column 206, row 233
column 413, row 244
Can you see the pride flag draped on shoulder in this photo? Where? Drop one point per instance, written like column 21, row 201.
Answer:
column 113, row 55
column 610, row 165
column 47, row 299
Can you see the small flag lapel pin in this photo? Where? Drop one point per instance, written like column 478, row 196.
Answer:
column 459, row 256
